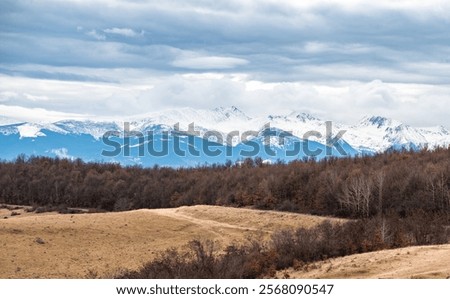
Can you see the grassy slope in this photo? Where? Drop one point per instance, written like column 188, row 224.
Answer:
column 104, row 243
column 410, row 262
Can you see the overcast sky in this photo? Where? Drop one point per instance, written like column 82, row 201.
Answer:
column 69, row 59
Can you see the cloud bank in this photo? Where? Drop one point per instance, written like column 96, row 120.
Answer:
column 337, row 59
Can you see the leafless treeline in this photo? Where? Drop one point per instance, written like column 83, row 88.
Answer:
column 363, row 187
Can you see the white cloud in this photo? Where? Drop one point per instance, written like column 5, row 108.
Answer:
column 96, row 35
column 62, row 153
column 314, row 47
column 208, row 62
column 344, row 101
column 15, row 114
column 123, row 31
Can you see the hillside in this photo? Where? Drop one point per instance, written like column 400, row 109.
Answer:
column 285, row 136
column 51, row 245
column 410, row 262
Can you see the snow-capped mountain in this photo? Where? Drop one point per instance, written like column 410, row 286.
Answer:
column 94, row 128
column 218, row 134
column 220, row 119
column 378, row 134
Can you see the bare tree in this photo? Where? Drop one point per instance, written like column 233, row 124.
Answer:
column 438, row 189
column 442, row 198
column 384, row 231
column 379, row 179
column 357, row 195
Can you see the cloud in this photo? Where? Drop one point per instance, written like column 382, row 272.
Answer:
column 96, row 35
column 337, row 59
column 123, row 31
column 24, row 114
column 375, row 95
column 209, row 62
column 343, row 101
column 62, row 153
column 274, row 37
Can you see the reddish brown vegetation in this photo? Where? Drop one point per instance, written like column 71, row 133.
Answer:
column 400, row 183
column 292, row 248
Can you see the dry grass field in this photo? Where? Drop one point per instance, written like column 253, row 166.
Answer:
column 410, row 262
column 51, row 245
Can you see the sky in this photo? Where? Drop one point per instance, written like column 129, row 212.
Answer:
column 338, row 60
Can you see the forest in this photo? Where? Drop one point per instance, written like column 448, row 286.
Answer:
column 400, row 183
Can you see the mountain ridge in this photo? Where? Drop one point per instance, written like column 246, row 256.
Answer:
column 372, row 134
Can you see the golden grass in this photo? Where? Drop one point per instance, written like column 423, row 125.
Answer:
column 410, row 262
column 51, row 245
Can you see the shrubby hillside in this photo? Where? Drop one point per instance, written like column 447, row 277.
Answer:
column 400, row 182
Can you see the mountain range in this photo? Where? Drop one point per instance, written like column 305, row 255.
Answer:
column 214, row 136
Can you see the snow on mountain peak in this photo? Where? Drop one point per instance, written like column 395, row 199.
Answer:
column 378, row 121
column 29, row 131
column 302, row 116
column 437, row 130
column 443, row 130
column 294, row 116
column 93, row 128
column 222, row 119
column 372, row 134
column 231, row 112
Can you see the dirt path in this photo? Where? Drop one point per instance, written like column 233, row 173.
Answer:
column 58, row 246
column 214, row 226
